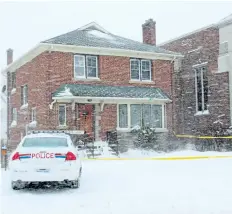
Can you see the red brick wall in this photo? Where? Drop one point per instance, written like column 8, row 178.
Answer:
column 46, row 72
column 199, row 47
column 108, row 120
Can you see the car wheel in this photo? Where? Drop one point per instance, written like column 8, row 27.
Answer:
column 75, row 184
column 16, row 185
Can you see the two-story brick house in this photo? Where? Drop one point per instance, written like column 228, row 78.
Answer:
column 92, row 81
column 203, row 87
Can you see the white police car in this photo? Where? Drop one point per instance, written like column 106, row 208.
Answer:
column 48, row 158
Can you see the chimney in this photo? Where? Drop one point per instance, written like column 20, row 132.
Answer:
column 149, row 32
column 9, row 54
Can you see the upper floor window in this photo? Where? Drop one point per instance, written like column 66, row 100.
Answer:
column 201, row 89
column 85, row 66
column 140, row 69
column 24, row 95
column 62, row 115
column 223, row 48
column 13, row 80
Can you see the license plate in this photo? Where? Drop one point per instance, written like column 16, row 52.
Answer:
column 43, row 170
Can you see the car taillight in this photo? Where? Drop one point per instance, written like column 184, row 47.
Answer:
column 70, row 156
column 16, row 156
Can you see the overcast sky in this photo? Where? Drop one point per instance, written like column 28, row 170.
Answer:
column 23, row 25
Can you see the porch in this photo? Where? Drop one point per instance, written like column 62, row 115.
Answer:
column 103, row 108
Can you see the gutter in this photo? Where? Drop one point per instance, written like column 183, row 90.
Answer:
column 109, row 98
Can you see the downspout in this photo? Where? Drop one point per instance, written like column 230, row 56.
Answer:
column 230, row 86
column 173, row 95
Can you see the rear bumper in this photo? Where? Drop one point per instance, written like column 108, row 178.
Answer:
column 34, row 176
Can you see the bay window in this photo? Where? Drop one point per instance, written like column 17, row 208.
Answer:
column 133, row 115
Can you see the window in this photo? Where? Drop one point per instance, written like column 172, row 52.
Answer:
column 62, row 115
column 85, row 66
column 223, row 48
column 140, row 114
column 24, row 95
column 13, row 80
column 14, row 115
column 140, row 69
column 33, row 114
column 123, row 116
column 201, row 89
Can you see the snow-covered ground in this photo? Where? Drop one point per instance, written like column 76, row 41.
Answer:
column 132, row 187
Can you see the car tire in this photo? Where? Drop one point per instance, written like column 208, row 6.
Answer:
column 75, row 184
column 80, row 172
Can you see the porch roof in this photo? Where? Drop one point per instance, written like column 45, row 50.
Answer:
column 105, row 91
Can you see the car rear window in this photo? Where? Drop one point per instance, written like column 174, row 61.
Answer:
column 45, row 142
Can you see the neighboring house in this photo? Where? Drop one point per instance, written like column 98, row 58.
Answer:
column 92, row 81
column 203, row 88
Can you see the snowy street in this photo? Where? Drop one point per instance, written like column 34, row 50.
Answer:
column 132, row 187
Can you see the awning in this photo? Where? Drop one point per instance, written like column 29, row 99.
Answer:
column 105, row 92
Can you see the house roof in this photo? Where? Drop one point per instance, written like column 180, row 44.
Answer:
column 93, row 35
column 104, row 91
column 93, row 39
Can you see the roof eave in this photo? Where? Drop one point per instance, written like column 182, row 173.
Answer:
column 112, row 51
column 41, row 47
column 116, row 99
column 28, row 56
column 224, row 23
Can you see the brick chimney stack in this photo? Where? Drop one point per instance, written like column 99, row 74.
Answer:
column 149, row 32
column 9, row 54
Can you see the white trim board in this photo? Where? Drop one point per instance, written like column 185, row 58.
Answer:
column 110, row 100
column 42, row 47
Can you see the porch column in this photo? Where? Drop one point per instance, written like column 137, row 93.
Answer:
column 97, row 127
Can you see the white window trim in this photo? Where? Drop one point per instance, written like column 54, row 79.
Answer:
column 86, row 57
column 128, row 129
column 141, row 70
column 74, row 69
column 85, row 76
column 203, row 112
column 65, row 124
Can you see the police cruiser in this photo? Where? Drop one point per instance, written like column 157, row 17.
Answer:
column 45, row 157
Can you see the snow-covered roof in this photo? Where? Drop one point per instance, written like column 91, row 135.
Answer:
column 93, row 35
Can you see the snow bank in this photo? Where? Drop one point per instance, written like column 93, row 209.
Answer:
column 132, row 187
column 66, row 92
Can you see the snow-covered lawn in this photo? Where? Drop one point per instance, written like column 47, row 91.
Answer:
column 132, row 187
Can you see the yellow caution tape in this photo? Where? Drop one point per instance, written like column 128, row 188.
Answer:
column 202, row 137
column 160, row 158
